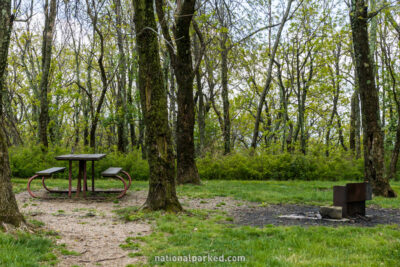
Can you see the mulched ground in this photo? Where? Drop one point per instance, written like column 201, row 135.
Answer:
column 261, row 216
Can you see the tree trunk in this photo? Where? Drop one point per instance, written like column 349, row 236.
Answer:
column 201, row 108
column 390, row 70
column 93, row 14
column 132, row 75
column 355, row 120
column 201, row 114
column 373, row 137
column 395, row 153
column 269, row 76
column 184, row 73
column 121, row 102
column 336, row 86
column 224, row 92
column 50, row 18
column 162, row 193
column 352, row 137
column 187, row 169
column 9, row 212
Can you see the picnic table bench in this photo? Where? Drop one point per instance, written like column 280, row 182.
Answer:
column 82, row 158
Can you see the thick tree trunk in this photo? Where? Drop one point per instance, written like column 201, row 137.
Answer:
column 162, row 193
column 50, row 18
column 184, row 73
column 121, row 94
column 9, row 212
column 373, row 137
column 187, row 169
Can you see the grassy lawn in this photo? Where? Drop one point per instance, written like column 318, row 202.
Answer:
column 26, row 250
column 304, row 192
column 203, row 233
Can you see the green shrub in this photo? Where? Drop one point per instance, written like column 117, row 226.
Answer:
column 26, row 160
column 263, row 166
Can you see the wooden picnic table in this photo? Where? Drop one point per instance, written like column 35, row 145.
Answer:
column 82, row 158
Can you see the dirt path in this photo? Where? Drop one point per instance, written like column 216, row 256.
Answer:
column 89, row 227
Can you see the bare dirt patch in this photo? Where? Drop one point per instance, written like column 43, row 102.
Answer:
column 88, row 227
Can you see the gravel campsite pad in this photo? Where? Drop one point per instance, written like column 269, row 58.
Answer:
column 89, row 227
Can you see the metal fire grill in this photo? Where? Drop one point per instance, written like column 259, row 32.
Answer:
column 351, row 198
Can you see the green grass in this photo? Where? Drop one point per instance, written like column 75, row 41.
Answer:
column 271, row 246
column 268, row 192
column 203, row 232
column 273, row 192
column 25, row 250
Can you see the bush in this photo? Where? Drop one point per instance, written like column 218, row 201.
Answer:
column 27, row 160
column 241, row 166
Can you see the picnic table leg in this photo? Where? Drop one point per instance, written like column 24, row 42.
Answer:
column 70, row 179
column 84, row 179
column 93, row 176
column 29, row 185
column 78, row 188
column 125, row 186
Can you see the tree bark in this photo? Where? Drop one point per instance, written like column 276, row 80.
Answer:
column 386, row 58
column 9, row 212
column 162, row 193
column 184, row 72
column 50, row 18
column 355, row 116
column 225, row 92
column 201, row 105
column 373, row 137
column 336, row 86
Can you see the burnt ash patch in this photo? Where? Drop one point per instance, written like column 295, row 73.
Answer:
column 261, row 216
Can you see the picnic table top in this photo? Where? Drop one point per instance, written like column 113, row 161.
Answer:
column 81, row 157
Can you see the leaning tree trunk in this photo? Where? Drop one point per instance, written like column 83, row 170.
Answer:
column 373, row 136
column 9, row 212
column 50, row 18
column 162, row 193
